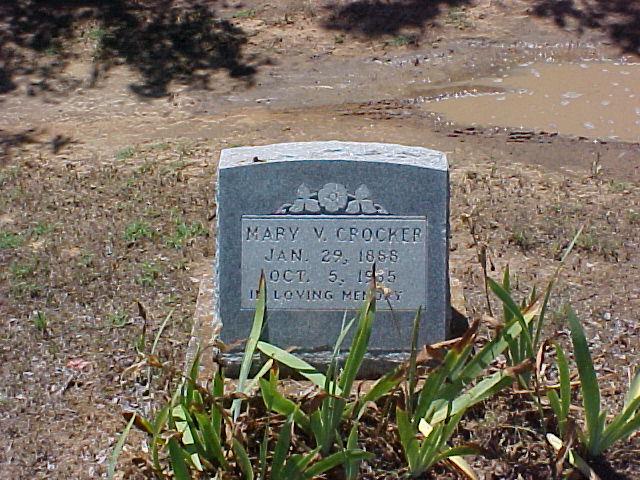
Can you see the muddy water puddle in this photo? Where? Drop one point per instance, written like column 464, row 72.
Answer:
column 598, row 100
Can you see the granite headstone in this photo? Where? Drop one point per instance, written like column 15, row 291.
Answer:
column 316, row 217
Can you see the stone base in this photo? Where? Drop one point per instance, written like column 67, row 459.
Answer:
column 206, row 330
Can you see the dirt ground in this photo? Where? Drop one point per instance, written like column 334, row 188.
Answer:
column 112, row 119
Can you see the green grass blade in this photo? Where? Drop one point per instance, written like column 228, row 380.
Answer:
column 344, row 330
column 190, row 384
column 261, row 373
column 611, row 433
column 431, row 390
column 588, row 382
column 296, row 464
column 543, row 312
column 565, row 381
column 297, row 364
column 282, row 405
column 625, row 431
column 211, row 437
column 334, row 460
column 432, row 443
column 381, row 387
column 509, row 304
column 282, row 447
column 178, row 463
column 113, row 461
column 456, row 452
column 242, row 459
column 412, row 374
column 408, row 440
column 481, row 391
column 634, row 389
column 315, row 423
column 556, row 406
column 160, row 330
column 351, row 468
column 359, row 345
column 303, row 462
column 547, row 295
column 493, row 349
column 506, row 284
column 158, row 425
column 450, row 426
column 254, row 337
column 571, row 245
column 264, row 448
column 217, row 391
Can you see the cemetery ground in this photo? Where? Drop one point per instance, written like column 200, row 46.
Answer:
column 107, row 198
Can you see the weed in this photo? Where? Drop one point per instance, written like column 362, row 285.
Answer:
column 22, row 271
column 196, row 427
column 588, row 242
column 40, row 321
column 136, row 231
column 618, row 187
column 246, row 13
column 171, row 299
column 53, row 49
column 401, row 40
column 97, row 34
column 9, row 174
column 339, row 39
column 150, row 272
column 146, row 167
column 522, row 238
column 185, row 148
column 113, row 461
column 9, row 240
column 86, row 259
column 633, row 217
column 173, row 167
column 118, row 319
column 459, row 18
column 125, row 153
column 185, row 232
column 597, row 435
column 22, row 279
column 526, row 345
column 42, row 229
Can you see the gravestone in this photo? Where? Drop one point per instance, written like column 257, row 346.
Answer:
column 315, row 217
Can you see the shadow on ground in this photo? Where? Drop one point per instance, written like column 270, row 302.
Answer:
column 375, row 17
column 619, row 19
column 164, row 40
column 10, row 141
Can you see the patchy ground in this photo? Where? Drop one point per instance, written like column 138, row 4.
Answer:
column 109, row 136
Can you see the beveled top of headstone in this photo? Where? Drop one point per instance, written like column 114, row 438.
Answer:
column 334, row 150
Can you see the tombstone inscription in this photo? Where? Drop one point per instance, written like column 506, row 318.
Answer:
column 315, row 217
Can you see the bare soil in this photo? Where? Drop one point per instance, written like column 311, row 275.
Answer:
column 112, row 120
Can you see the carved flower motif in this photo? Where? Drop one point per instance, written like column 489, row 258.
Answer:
column 333, row 197
column 362, row 203
column 304, row 202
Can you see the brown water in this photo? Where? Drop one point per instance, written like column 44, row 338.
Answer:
column 598, row 100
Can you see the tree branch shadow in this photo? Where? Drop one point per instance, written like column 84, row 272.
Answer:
column 374, row 18
column 618, row 19
column 10, row 141
column 163, row 40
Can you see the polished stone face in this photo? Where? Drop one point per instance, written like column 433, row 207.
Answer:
column 315, row 217
column 326, row 262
